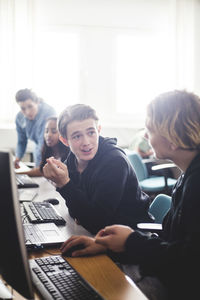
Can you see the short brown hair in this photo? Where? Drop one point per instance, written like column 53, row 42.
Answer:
column 77, row 112
column 25, row 94
column 176, row 116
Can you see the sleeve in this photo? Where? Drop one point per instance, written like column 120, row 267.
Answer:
column 180, row 256
column 94, row 211
column 21, row 140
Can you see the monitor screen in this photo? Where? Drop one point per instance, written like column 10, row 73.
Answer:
column 14, row 266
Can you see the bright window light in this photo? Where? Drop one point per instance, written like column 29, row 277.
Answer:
column 144, row 68
column 57, row 68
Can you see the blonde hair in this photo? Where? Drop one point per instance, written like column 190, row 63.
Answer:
column 176, row 116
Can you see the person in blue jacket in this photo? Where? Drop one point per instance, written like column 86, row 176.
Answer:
column 164, row 266
column 30, row 124
column 97, row 180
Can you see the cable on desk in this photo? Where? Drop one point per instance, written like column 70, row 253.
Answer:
column 24, row 217
column 52, row 253
column 24, row 214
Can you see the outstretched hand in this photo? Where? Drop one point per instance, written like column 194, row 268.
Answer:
column 16, row 163
column 113, row 237
column 56, row 171
column 91, row 248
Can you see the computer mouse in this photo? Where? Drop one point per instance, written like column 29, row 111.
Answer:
column 52, row 201
column 74, row 248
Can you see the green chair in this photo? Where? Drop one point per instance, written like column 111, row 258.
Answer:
column 151, row 184
column 160, row 206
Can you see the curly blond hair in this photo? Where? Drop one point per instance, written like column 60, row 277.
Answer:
column 175, row 115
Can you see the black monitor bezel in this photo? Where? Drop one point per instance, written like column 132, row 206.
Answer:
column 14, row 264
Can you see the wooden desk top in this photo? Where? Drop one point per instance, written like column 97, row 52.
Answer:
column 103, row 274
column 106, row 277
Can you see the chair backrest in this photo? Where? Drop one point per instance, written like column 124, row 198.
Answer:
column 139, row 167
column 160, row 206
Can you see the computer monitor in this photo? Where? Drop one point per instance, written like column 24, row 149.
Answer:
column 14, row 265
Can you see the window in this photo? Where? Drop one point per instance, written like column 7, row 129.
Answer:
column 56, row 68
column 114, row 57
column 144, row 68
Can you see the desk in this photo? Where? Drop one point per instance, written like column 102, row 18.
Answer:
column 99, row 271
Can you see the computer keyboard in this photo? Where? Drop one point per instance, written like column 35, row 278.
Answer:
column 56, row 279
column 42, row 212
column 25, row 181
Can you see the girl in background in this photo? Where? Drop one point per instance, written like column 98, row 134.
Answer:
column 52, row 147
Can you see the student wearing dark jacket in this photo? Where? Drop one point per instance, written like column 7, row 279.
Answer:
column 168, row 262
column 97, row 181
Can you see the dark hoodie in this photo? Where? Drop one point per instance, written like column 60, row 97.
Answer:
column 174, row 256
column 107, row 192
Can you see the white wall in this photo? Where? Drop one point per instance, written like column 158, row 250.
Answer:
column 98, row 21
column 8, row 139
column 124, row 137
column 105, row 13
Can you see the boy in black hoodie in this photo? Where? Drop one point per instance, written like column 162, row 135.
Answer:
column 97, row 180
